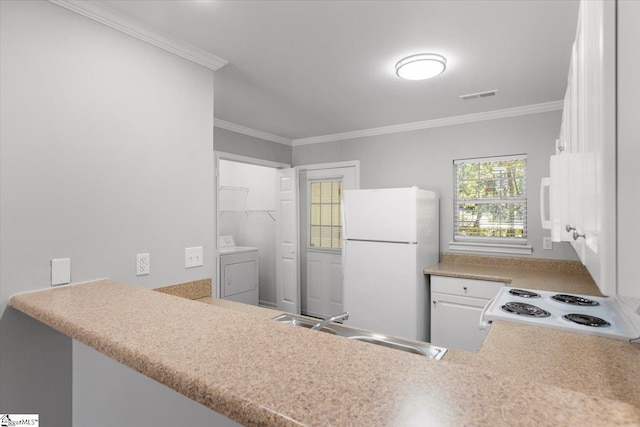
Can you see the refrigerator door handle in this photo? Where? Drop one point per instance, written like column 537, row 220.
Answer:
column 344, row 260
column 343, row 219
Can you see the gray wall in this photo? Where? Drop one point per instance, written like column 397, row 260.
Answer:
column 106, row 151
column 249, row 146
column 425, row 158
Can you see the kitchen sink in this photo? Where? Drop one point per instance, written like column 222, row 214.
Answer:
column 423, row 349
column 303, row 322
column 430, row 351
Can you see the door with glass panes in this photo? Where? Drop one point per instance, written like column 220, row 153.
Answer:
column 321, row 260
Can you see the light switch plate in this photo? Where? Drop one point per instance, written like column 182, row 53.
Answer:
column 60, row 271
column 193, row 257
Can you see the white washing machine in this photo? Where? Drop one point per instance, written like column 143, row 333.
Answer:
column 238, row 271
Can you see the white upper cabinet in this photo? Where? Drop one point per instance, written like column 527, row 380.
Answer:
column 627, row 147
column 583, row 186
column 598, row 142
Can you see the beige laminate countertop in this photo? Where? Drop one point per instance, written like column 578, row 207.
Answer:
column 541, row 279
column 241, row 364
column 596, row 366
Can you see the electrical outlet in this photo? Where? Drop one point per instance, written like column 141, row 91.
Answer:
column 143, row 264
column 547, row 244
column 60, row 271
column 193, row 257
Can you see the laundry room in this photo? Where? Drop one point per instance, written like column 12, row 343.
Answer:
column 246, row 232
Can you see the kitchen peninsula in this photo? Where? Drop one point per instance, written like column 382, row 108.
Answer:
column 255, row 371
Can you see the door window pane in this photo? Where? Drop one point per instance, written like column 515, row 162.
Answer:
column 325, row 230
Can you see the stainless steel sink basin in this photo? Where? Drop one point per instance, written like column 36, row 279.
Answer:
column 303, row 322
column 423, row 349
column 430, row 351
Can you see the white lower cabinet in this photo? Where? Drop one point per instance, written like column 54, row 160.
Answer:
column 456, row 307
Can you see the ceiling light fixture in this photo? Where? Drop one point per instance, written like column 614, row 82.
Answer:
column 421, row 66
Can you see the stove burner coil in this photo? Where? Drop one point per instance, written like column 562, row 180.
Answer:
column 523, row 293
column 575, row 300
column 586, row 320
column 523, row 309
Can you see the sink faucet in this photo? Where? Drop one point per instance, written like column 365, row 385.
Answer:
column 325, row 322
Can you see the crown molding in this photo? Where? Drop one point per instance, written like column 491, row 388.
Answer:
column 142, row 32
column 251, row 132
column 447, row 121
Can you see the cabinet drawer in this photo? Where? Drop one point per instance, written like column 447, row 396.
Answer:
column 465, row 287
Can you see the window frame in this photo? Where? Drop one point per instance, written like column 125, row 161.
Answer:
column 497, row 244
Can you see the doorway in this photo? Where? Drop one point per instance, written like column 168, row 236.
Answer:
column 321, row 188
column 307, row 279
column 246, row 211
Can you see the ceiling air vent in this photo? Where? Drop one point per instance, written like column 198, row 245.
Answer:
column 479, row 95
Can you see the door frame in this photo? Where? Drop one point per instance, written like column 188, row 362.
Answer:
column 317, row 167
column 303, row 211
column 335, row 165
column 221, row 155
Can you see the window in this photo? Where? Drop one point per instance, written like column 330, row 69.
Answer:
column 324, row 217
column 490, row 200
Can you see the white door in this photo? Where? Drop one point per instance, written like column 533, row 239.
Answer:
column 287, row 289
column 321, row 249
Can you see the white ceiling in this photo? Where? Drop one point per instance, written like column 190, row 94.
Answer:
column 302, row 69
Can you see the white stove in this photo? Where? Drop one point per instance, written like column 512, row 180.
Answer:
column 608, row 317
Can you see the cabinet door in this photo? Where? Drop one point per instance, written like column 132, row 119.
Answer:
column 588, row 139
column 455, row 321
column 628, row 148
column 559, row 197
column 598, row 142
column 576, row 200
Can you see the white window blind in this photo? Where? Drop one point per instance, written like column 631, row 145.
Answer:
column 325, row 229
column 490, row 200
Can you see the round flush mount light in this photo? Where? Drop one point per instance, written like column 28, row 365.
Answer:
column 422, row 66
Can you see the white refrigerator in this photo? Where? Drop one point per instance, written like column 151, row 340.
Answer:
column 390, row 235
